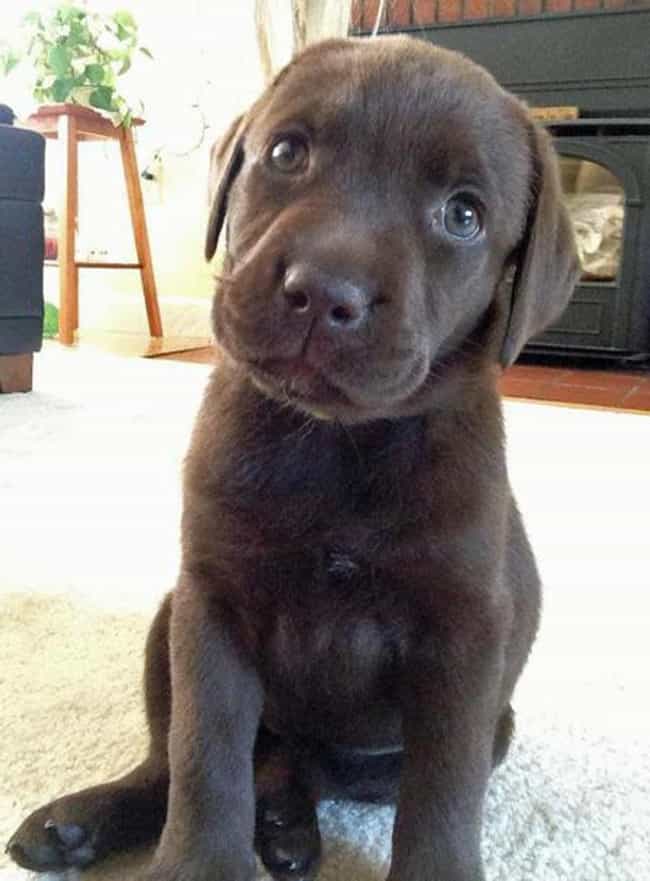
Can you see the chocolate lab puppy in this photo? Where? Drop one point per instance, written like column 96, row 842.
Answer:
column 357, row 595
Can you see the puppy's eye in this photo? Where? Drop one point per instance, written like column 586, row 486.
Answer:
column 461, row 217
column 289, row 154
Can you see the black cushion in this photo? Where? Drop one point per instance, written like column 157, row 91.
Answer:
column 21, row 260
column 22, row 164
column 22, row 178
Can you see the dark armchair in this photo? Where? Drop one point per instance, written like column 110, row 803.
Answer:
column 22, row 173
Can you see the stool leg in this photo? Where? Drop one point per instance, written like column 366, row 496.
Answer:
column 68, row 272
column 139, row 223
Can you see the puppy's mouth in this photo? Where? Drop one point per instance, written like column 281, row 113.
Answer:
column 295, row 378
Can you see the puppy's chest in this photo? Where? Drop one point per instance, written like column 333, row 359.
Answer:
column 330, row 641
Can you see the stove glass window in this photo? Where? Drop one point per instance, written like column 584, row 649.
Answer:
column 596, row 202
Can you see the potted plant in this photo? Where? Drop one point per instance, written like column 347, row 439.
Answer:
column 78, row 56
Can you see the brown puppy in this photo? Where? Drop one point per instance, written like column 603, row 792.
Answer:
column 357, row 596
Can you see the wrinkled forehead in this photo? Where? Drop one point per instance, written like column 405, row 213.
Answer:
column 402, row 103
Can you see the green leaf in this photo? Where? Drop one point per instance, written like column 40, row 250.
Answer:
column 68, row 13
column 76, row 38
column 146, row 52
column 102, row 98
column 59, row 60
column 125, row 20
column 61, row 88
column 126, row 64
column 8, row 60
column 50, row 321
column 95, row 73
column 33, row 18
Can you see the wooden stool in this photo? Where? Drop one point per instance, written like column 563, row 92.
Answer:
column 71, row 123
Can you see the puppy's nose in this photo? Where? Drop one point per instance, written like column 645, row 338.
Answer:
column 337, row 303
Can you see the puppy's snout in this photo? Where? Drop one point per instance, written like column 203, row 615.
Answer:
column 336, row 303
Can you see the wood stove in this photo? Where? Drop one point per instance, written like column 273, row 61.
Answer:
column 606, row 178
column 599, row 63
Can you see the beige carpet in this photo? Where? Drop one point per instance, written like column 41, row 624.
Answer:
column 89, row 507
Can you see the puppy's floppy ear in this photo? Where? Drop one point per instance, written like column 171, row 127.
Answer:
column 547, row 265
column 226, row 158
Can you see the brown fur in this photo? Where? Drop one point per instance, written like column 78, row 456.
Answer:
column 357, row 596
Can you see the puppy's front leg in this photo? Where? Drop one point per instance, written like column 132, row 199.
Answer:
column 216, row 706
column 450, row 699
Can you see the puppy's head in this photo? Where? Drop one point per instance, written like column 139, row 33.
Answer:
column 393, row 216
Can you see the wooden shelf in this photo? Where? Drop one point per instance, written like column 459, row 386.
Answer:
column 97, row 264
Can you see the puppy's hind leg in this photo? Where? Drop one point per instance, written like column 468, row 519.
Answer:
column 81, row 828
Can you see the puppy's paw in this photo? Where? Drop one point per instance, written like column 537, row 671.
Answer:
column 288, row 838
column 42, row 844
column 83, row 827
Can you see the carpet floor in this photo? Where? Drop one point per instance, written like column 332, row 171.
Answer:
column 89, row 514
